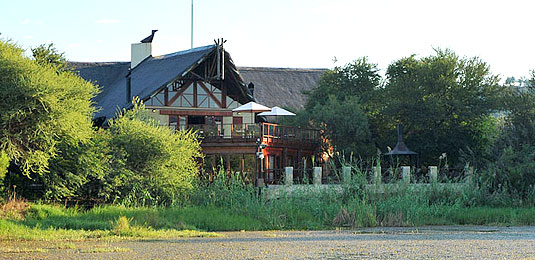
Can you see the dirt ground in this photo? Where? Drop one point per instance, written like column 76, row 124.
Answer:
column 444, row 242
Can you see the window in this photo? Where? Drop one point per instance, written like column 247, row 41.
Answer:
column 193, row 94
column 216, row 93
column 231, row 103
column 173, row 122
column 186, row 100
column 206, row 99
column 157, row 100
column 237, row 126
column 202, row 97
column 183, row 123
column 271, row 162
column 214, row 125
column 196, row 123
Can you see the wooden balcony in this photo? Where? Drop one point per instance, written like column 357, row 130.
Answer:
column 274, row 133
column 242, row 138
column 267, row 132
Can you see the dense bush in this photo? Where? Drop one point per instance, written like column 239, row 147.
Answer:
column 42, row 107
column 506, row 173
column 134, row 162
column 336, row 120
column 54, row 153
column 80, row 171
column 512, row 172
column 151, row 164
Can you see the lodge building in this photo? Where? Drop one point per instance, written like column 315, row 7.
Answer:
column 202, row 89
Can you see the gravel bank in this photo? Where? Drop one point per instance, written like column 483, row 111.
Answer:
column 465, row 242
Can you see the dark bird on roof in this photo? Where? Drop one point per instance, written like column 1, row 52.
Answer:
column 149, row 38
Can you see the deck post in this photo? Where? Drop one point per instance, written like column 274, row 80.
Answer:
column 406, row 174
column 300, row 176
column 433, row 174
column 468, row 172
column 227, row 162
column 346, row 174
column 377, row 179
column 289, row 176
column 317, row 176
column 305, row 175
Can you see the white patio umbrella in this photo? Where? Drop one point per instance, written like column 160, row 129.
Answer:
column 277, row 111
column 251, row 107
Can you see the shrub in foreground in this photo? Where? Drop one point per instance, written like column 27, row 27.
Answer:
column 151, row 164
column 42, row 107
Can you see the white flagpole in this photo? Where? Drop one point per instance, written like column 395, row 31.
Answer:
column 192, row 24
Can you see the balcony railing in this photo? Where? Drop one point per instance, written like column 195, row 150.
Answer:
column 273, row 132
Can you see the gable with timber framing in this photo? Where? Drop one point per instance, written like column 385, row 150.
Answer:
column 212, row 82
column 199, row 78
column 192, row 94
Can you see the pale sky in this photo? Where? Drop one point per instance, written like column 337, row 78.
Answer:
column 278, row 33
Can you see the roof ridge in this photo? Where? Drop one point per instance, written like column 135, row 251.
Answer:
column 201, row 48
column 280, row 69
column 96, row 63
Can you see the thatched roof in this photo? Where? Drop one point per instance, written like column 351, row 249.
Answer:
column 272, row 86
column 111, row 78
column 281, row 86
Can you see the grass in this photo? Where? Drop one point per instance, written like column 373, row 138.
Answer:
column 10, row 230
column 52, row 222
column 23, row 250
column 65, row 246
column 142, row 218
column 233, row 207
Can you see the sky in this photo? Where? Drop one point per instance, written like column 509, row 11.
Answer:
column 283, row 33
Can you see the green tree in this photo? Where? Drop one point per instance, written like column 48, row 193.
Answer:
column 357, row 79
column 42, row 107
column 444, row 101
column 4, row 163
column 344, row 125
column 48, row 55
column 531, row 81
column 509, row 164
column 341, row 104
column 74, row 164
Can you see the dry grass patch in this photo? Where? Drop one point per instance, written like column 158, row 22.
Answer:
column 23, row 250
column 106, row 250
column 65, row 246
column 14, row 208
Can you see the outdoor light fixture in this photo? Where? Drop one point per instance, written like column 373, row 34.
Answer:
column 260, row 146
column 260, row 155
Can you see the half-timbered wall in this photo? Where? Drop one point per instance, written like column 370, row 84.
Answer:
column 193, row 97
column 192, row 94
